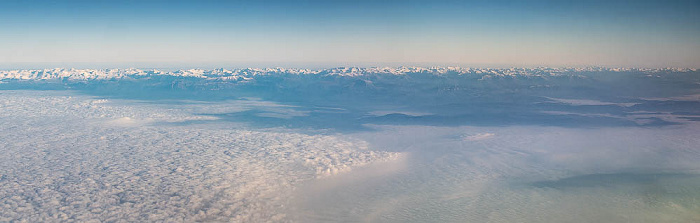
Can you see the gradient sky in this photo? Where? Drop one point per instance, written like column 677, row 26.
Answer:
column 357, row 33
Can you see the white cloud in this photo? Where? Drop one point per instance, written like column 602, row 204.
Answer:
column 410, row 113
column 448, row 179
column 74, row 158
column 579, row 102
column 477, row 137
column 690, row 97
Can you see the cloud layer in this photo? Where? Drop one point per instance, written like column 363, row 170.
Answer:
column 75, row 158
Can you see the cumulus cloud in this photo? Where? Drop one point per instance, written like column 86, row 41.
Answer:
column 74, row 158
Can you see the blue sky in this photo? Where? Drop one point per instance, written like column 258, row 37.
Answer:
column 354, row 33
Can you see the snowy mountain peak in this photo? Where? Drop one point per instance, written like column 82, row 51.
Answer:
column 226, row 74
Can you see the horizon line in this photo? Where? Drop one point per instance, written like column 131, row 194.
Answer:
column 358, row 67
column 312, row 65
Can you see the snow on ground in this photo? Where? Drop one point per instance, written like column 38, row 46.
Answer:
column 249, row 73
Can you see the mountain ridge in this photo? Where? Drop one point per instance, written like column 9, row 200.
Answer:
column 243, row 74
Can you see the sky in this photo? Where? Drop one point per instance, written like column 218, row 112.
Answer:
column 39, row 34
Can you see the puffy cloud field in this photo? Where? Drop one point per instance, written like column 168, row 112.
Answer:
column 77, row 158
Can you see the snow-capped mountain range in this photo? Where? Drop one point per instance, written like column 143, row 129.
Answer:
column 248, row 73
